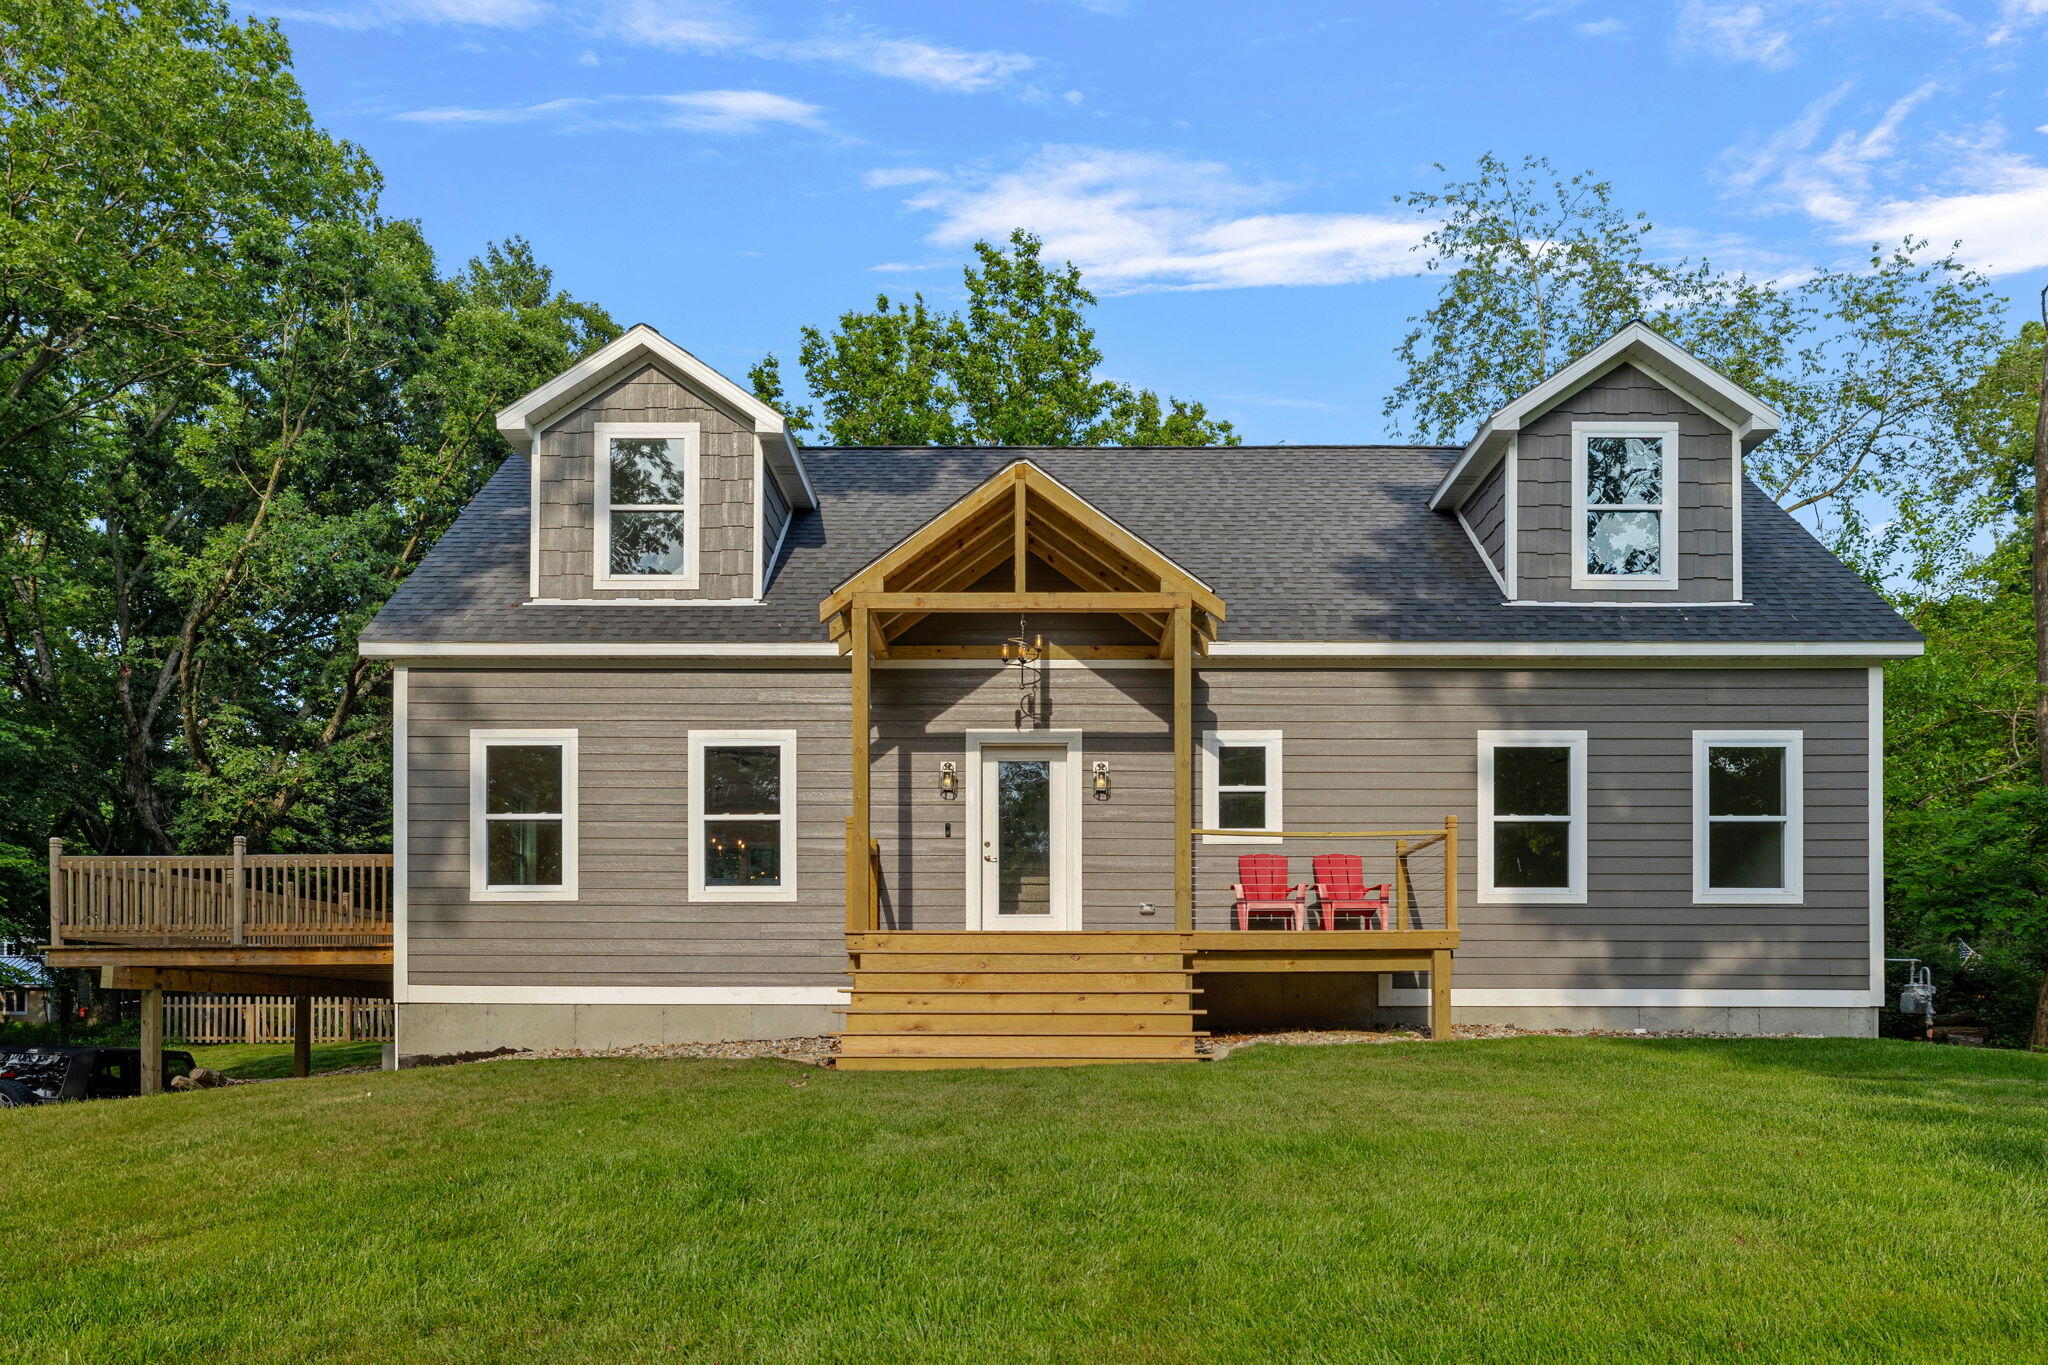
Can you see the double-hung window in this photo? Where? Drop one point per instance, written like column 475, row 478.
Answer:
column 1532, row 815
column 1241, row 785
column 1748, row 790
column 522, row 814
column 1625, row 522
column 647, row 500
column 742, row 815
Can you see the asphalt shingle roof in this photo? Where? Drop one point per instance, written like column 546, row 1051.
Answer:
column 1328, row 543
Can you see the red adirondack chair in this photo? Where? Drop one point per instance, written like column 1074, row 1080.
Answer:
column 1341, row 890
column 1262, row 889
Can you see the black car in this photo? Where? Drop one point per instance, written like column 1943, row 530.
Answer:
column 45, row 1075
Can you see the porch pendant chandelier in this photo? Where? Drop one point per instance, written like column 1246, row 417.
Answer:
column 1026, row 653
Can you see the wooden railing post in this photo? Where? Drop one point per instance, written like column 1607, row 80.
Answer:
column 56, row 893
column 1400, row 884
column 1451, row 873
column 241, row 888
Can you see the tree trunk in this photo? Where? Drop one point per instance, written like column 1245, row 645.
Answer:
column 2039, row 1041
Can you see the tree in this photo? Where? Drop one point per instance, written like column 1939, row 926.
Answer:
column 1016, row 367
column 1868, row 365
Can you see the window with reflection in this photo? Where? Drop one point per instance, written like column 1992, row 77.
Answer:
column 648, row 491
column 1747, row 835
column 522, row 809
column 741, row 820
column 1532, row 807
column 1624, row 501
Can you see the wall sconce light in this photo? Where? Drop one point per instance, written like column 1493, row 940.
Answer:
column 949, row 781
column 1100, row 781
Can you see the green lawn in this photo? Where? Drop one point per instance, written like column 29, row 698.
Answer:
column 260, row 1061
column 1542, row 1200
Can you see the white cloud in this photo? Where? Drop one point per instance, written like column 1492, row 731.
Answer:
column 393, row 13
column 588, row 58
column 893, row 177
column 1733, row 33
column 1150, row 220
column 1999, row 225
column 703, row 111
column 676, row 25
column 907, row 59
column 1828, row 180
column 1609, row 27
column 2016, row 15
column 738, row 111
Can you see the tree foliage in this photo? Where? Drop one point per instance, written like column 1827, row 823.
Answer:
column 1018, row 366
column 252, row 403
column 1869, row 365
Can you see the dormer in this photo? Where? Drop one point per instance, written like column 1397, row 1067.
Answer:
column 1618, row 479
column 655, row 478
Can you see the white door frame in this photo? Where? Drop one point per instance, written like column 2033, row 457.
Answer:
column 1065, row 746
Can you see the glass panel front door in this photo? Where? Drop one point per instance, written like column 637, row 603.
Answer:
column 1027, row 868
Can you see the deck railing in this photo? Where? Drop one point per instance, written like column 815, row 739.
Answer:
column 268, row 1019
column 1421, row 865
column 252, row 899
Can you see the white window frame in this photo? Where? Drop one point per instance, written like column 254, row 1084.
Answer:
column 689, row 434
column 1667, row 510
column 1793, row 890
column 480, row 887
column 785, row 741
column 13, row 1000
column 1575, row 892
column 1213, row 742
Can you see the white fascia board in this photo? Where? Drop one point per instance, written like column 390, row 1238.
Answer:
column 557, row 649
column 1670, row 364
column 1596, row 649
column 521, row 420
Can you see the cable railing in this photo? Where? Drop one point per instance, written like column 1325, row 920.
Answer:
column 1409, row 876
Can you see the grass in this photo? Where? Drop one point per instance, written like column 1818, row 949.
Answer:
column 264, row 1061
column 1540, row 1199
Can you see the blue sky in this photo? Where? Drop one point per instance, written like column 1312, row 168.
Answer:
column 729, row 170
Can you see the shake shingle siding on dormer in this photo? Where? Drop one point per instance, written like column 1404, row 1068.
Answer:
column 566, row 463
column 1706, row 493
column 1486, row 514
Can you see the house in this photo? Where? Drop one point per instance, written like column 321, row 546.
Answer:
column 24, row 985
column 688, row 715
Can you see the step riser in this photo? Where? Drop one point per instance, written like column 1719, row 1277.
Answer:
column 974, row 1025
column 997, row 1063
column 1125, row 1045
column 868, row 979
column 1003, row 1002
column 1022, row 962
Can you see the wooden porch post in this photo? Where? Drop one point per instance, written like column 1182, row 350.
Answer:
column 860, row 899
column 1440, row 993
column 152, row 1078
column 302, row 1035
column 56, row 893
column 1183, row 769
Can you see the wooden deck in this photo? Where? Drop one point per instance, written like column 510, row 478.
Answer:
column 925, row 1000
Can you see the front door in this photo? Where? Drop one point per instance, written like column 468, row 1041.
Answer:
column 1029, row 866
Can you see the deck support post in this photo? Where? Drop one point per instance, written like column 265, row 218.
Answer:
column 1440, row 993
column 1183, row 769
column 56, row 893
column 241, row 889
column 302, row 1035
column 152, row 1078
column 860, row 896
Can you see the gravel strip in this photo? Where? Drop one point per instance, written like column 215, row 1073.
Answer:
column 810, row 1051
column 1223, row 1044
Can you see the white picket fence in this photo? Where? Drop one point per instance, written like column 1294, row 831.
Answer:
column 268, row 1019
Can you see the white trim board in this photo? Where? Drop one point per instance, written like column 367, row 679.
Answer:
column 1593, row 997
column 401, row 818
column 1874, row 831
column 481, row 741
column 1480, row 550
column 784, row 742
column 1274, row 742
column 1666, row 507
column 1576, row 818
column 1066, row 818
column 1792, row 774
column 1859, row 651
column 625, row 995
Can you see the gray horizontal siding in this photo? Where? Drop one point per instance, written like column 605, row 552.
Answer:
column 1364, row 749
column 565, row 468
column 1486, row 512
column 1706, row 493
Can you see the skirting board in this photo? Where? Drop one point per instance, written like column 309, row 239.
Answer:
column 417, row 994
column 1592, row 997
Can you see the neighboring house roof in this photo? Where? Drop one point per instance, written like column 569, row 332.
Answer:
column 1303, row 543
column 23, row 972
column 1751, row 419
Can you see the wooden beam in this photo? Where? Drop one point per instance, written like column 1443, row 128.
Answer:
column 858, row 897
column 984, row 557
column 1451, row 873
column 1017, row 526
column 302, row 1035
column 130, row 955
column 56, row 892
column 1052, row 651
column 152, row 1077
column 1088, row 572
column 878, row 644
column 917, row 543
column 1103, row 528
column 1022, row 601
column 1183, row 771
column 240, row 983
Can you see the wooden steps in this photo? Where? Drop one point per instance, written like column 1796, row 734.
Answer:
column 925, row 1001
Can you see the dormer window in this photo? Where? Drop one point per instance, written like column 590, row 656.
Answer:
column 1625, row 481
column 647, row 500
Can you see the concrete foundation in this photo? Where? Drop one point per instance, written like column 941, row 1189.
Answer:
column 434, row 1030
